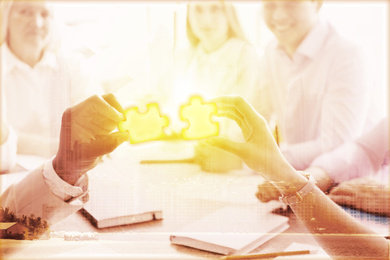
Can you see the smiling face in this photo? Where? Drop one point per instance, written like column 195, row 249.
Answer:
column 290, row 20
column 208, row 21
column 29, row 25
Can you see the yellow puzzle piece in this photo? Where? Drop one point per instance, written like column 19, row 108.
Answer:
column 144, row 127
column 198, row 116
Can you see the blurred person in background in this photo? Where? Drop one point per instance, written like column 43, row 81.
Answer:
column 314, row 85
column 218, row 61
column 37, row 81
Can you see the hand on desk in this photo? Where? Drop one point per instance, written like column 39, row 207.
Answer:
column 364, row 194
column 87, row 134
column 266, row 191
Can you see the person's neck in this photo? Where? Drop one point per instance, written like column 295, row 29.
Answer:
column 29, row 55
column 211, row 46
column 291, row 48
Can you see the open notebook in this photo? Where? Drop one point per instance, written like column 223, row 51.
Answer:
column 231, row 230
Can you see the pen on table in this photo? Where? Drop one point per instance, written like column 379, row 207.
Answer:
column 267, row 255
column 277, row 134
column 188, row 160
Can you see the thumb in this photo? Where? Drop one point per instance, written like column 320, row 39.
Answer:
column 120, row 137
column 226, row 144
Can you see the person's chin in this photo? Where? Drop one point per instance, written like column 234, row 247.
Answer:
column 208, row 33
column 284, row 38
column 37, row 42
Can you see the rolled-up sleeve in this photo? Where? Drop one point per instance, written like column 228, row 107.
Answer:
column 32, row 195
column 363, row 157
column 60, row 188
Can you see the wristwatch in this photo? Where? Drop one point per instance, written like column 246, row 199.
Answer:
column 298, row 196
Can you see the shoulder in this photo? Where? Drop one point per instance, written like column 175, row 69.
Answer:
column 249, row 56
column 341, row 46
column 239, row 46
column 239, row 51
column 185, row 52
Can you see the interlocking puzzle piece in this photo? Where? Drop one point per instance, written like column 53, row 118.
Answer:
column 146, row 126
column 198, row 116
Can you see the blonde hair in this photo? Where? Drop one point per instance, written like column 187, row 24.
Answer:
column 235, row 29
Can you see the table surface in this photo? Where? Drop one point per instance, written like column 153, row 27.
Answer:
column 185, row 194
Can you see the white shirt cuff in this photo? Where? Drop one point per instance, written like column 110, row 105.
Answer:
column 61, row 188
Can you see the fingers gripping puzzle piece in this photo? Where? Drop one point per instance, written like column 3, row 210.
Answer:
column 144, row 127
column 198, row 116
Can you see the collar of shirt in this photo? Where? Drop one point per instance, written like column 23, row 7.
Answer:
column 223, row 51
column 312, row 43
column 11, row 62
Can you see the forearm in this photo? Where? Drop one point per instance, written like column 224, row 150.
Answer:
column 32, row 195
column 337, row 232
column 300, row 155
column 346, row 162
column 365, row 194
column 324, row 181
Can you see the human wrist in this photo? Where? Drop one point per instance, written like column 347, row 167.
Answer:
column 297, row 195
column 290, row 181
column 64, row 172
column 324, row 181
column 285, row 174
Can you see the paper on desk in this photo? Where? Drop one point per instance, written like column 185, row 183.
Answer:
column 316, row 252
column 29, row 162
column 89, row 250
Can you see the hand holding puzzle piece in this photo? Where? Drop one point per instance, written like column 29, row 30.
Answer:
column 198, row 115
column 143, row 127
column 149, row 126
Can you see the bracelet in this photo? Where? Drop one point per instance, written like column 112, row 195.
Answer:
column 298, row 196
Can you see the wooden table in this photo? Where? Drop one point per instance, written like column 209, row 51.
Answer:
column 185, row 194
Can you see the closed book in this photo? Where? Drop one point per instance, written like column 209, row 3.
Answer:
column 114, row 205
column 100, row 220
column 231, row 230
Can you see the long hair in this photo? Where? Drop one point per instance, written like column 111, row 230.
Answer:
column 235, row 29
